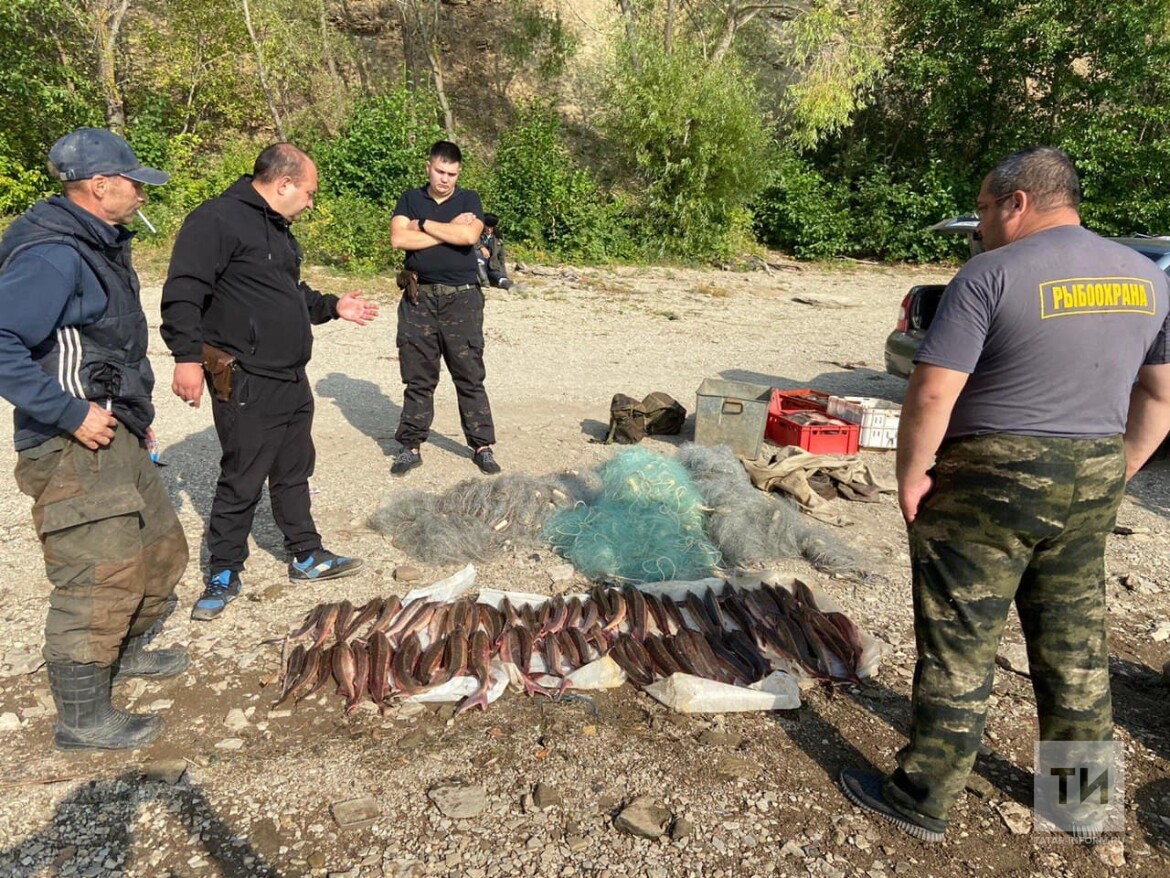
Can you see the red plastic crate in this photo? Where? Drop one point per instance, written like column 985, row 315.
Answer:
column 813, row 431
column 784, row 401
column 799, row 400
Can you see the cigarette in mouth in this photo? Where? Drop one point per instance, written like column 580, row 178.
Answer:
column 147, row 222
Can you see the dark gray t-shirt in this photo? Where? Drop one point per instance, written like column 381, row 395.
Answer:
column 1052, row 330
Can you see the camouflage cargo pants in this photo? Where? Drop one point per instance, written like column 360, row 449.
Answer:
column 1011, row 519
column 447, row 328
column 113, row 546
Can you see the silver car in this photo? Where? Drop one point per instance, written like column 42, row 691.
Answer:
column 920, row 304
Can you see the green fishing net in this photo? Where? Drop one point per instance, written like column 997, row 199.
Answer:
column 647, row 524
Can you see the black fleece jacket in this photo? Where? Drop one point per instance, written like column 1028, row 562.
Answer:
column 235, row 282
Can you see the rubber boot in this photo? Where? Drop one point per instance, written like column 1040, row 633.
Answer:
column 135, row 661
column 85, row 718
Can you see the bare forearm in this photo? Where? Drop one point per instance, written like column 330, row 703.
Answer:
column 411, row 239
column 458, row 234
column 926, row 413
column 1146, row 426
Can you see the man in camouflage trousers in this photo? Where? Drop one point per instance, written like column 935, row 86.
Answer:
column 1029, row 423
column 438, row 226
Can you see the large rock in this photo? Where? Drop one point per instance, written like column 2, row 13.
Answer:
column 458, row 801
column 644, row 817
column 355, row 813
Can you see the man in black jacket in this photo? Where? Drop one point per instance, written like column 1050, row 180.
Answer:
column 234, row 301
column 73, row 364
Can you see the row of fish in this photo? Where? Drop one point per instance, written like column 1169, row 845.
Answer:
column 385, row 650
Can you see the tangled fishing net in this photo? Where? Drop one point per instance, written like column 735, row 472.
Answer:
column 648, row 525
column 640, row 517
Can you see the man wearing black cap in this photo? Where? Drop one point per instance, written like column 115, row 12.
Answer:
column 73, row 363
column 438, row 225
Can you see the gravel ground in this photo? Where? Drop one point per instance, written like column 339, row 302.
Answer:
column 234, row 788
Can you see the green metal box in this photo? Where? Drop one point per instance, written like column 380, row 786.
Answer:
column 732, row 413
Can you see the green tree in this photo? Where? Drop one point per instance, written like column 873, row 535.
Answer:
column 692, row 135
column 544, row 199
column 44, row 87
column 383, row 146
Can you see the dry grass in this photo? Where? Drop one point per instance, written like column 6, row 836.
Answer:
column 606, row 283
column 715, row 291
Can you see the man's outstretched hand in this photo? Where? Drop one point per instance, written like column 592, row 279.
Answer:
column 355, row 309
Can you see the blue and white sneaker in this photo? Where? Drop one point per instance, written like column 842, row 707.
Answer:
column 322, row 564
column 222, row 588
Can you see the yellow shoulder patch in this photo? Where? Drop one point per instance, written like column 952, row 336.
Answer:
column 1097, row 295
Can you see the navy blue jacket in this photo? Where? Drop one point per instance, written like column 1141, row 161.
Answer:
column 71, row 323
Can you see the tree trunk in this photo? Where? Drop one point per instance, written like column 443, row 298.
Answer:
column 427, row 26
column 631, row 24
column 327, row 45
column 436, row 61
column 668, row 28
column 105, row 18
column 261, row 74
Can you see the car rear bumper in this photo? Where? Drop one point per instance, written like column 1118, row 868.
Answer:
column 901, row 348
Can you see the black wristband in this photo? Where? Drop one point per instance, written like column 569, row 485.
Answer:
column 422, row 224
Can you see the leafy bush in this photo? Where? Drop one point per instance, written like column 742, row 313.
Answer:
column 349, row 233
column 544, row 200
column 801, row 211
column 893, row 215
column 196, row 174
column 692, row 133
column 19, row 186
column 382, row 149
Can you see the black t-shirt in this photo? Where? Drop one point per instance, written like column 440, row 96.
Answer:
column 443, row 263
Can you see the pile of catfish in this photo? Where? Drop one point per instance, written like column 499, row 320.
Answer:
column 386, row 651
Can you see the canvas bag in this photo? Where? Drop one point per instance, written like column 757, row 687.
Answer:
column 659, row 414
column 627, row 420
column 665, row 415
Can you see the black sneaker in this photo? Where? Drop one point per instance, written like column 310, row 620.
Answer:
column 222, row 588
column 486, row 461
column 322, row 564
column 405, row 462
column 864, row 789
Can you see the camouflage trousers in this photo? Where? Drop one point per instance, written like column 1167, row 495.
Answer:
column 113, row 546
column 1010, row 519
column 447, row 328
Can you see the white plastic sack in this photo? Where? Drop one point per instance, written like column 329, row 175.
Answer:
column 690, row 694
column 445, row 589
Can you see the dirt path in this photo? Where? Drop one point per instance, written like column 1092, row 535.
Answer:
column 756, row 793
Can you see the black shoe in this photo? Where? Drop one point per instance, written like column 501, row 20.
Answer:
column 135, row 661
column 405, row 462
column 506, row 283
column 85, row 718
column 486, row 461
column 864, row 789
column 222, row 588
column 322, row 564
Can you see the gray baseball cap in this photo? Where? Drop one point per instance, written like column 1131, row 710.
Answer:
column 92, row 152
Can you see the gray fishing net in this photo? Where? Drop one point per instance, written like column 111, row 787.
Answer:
column 474, row 519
